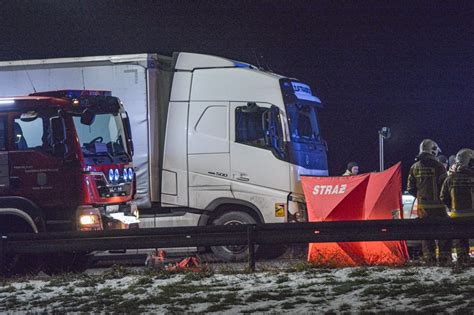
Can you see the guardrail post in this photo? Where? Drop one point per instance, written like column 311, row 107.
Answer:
column 251, row 246
column 3, row 242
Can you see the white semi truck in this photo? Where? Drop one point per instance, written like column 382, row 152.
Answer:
column 216, row 141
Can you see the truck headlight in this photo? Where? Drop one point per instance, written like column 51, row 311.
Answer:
column 111, row 175
column 88, row 218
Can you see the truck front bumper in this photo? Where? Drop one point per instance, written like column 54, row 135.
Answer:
column 107, row 217
column 121, row 217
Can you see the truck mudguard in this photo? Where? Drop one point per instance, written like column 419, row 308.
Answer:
column 27, row 207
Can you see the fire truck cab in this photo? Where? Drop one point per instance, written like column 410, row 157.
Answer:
column 65, row 163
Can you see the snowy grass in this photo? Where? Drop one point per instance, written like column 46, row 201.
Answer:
column 300, row 288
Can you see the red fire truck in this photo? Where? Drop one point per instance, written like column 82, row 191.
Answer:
column 65, row 163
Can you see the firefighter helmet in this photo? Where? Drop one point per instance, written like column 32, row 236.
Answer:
column 429, row 146
column 465, row 158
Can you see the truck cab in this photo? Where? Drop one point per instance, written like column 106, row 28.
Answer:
column 65, row 163
column 237, row 140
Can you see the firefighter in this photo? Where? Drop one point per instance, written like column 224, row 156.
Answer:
column 425, row 179
column 458, row 194
column 352, row 169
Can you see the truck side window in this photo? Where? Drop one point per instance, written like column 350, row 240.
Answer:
column 249, row 127
column 28, row 134
column 3, row 133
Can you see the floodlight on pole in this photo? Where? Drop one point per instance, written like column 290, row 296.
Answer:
column 384, row 133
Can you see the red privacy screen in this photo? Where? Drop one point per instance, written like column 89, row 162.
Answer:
column 373, row 196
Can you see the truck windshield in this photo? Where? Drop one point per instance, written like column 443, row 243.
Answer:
column 303, row 123
column 105, row 136
column 306, row 148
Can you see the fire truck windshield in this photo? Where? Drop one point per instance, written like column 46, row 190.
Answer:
column 105, row 136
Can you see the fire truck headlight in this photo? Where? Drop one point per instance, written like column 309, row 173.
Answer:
column 125, row 175
column 130, row 173
column 116, row 174
column 111, row 175
column 88, row 219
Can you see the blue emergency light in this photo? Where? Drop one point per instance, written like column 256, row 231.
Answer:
column 73, row 94
column 96, row 100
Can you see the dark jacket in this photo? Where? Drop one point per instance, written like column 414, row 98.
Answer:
column 457, row 192
column 425, row 179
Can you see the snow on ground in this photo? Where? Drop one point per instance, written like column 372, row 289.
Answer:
column 300, row 289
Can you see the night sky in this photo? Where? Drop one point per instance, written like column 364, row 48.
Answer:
column 409, row 67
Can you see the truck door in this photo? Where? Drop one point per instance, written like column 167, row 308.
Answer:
column 35, row 173
column 208, row 152
column 251, row 161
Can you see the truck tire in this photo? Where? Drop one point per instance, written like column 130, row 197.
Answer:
column 232, row 253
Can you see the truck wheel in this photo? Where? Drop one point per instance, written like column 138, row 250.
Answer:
column 232, row 253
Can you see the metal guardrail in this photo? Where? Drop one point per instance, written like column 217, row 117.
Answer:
column 250, row 235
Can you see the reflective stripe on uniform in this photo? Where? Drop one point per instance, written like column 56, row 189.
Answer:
column 461, row 213
column 431, row 206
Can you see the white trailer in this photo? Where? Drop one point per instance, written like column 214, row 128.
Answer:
column 216, row 141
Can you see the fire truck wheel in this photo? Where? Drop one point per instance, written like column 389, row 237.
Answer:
column 232, row 253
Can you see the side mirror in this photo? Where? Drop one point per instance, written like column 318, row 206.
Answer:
column 278, row 132
column 126, row 122
column 266, row 123
column 87, row 117
column 273, row 133
column 58, row 136
column 250, row 108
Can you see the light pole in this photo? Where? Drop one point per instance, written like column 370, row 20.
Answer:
column 384, row 133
